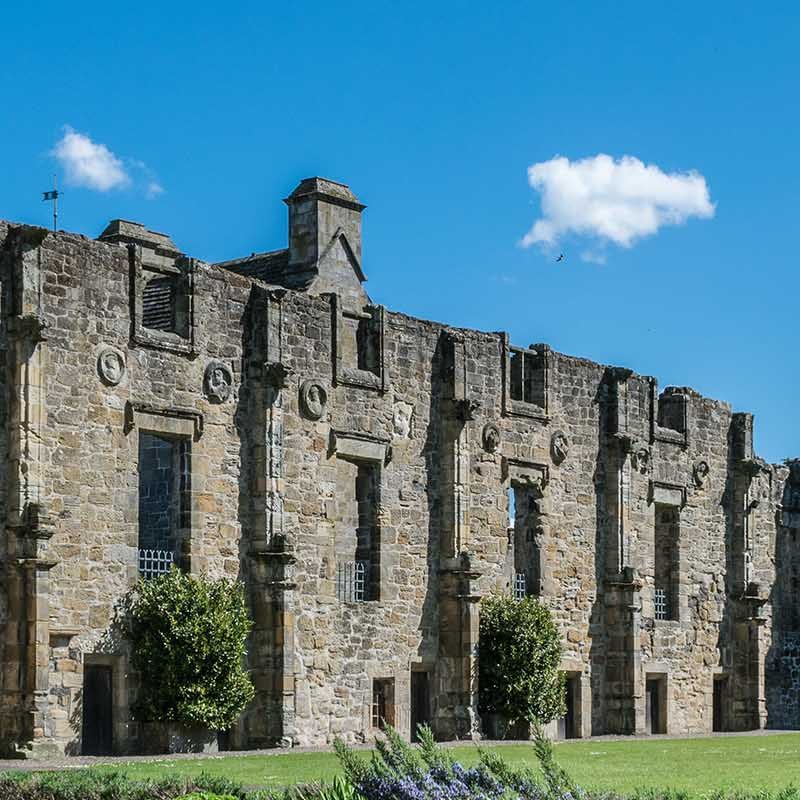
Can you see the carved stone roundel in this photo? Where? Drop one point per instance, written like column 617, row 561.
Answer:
column 700, row 472
column 111, row 365
column 313, row 399
column 559, row 446
column 218, row 381
column 491, row 437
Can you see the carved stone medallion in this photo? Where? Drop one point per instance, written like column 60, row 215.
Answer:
column 700, row 472
column 313, row 399
column 559, row 447
column 401, row 419
column 491, row 437
column 111, row 365
column 218, row 381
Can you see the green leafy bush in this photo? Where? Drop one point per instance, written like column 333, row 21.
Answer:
column 90, row 784
column 518, row 659
column 189, row 638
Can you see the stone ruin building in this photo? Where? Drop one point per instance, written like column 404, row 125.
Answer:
column 369, row 477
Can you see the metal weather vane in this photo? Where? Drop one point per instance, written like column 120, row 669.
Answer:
column 53, row 196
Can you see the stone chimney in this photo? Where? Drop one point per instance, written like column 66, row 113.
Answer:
column 325, row 239
column 157, row 248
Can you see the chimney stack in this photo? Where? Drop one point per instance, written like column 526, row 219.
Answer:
column 325, row 238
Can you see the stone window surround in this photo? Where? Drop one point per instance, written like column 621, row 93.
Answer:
column 671, row 494
column 659, row 434
column 519, row 408
column 535, row 476
column 347, row 375
column 184, row 268
column 174, row 423
column 362, row 447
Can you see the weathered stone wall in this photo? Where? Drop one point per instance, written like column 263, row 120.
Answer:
column 308, row 456
column 89, row 452
column 783, row 683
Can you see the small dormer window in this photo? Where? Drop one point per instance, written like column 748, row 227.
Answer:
column 359, row 346
column 527, row 380
column 166, row 301
column 161, row 304
column 672, row 412
column 161, row 287
column 669, row 414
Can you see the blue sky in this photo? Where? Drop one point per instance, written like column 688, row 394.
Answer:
column 433, row 113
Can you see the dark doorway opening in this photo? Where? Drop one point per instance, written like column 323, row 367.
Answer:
column 569, row 726
column 655, row 711
column 720, row 696
column 420, row 703
column 97, row 711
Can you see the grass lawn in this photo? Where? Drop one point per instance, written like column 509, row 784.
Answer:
column 698, row 766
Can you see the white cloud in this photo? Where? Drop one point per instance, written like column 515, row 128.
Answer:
column 154, row 189
column 89, row 164
column 94, row 166
column 618, row 201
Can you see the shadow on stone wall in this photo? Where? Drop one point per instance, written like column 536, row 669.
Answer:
column 597, row 617
column 783, row 657
column 432, row 455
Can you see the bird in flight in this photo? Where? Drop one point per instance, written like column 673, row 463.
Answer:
column 560, row 257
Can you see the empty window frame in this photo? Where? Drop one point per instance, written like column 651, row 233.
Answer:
column 527, row 380
column 666, row 563
column 361, row 342
column 358, row 534
column 359, row 345
column 382, row 703
column 164, row 501
column 672, row 411
column 527, row 533
column 669, row 414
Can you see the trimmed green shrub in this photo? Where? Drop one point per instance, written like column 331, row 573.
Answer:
column 189, row 638
column 518, row 659
column 88, row 784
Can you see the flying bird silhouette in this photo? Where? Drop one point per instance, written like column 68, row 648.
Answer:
column 560, row 257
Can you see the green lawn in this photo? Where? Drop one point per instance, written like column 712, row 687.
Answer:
column 698, row 766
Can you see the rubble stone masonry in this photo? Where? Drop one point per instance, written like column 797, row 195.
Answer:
column 355, row 467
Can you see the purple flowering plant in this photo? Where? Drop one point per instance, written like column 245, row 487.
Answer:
column 397, row 771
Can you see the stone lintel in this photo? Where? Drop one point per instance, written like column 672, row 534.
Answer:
column 359, row 447
column 668, row 494
column 163, row 419
column 527, row 473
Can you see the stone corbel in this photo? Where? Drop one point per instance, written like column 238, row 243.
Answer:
column 463, row 575
column 29, row 327
column 277, row 374
column 278, row 559
column 466, row 409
